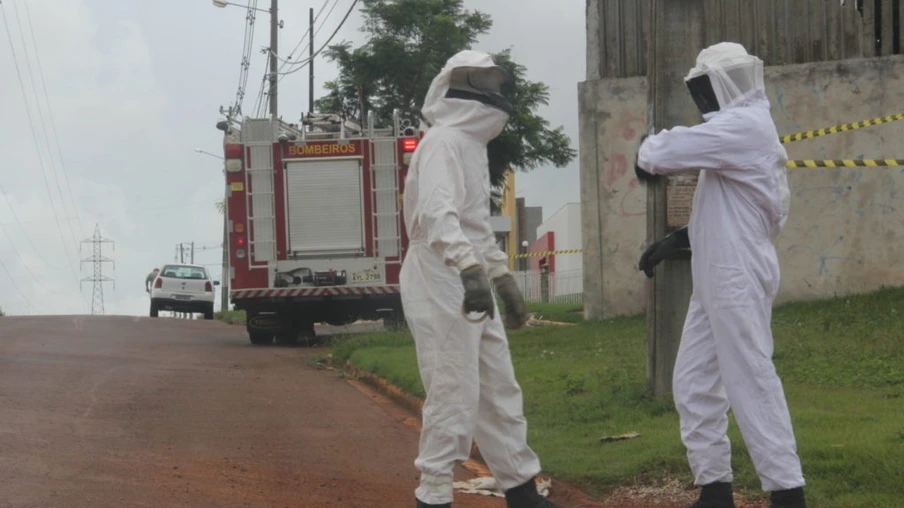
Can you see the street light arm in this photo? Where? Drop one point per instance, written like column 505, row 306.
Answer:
column 223, row 3
column 208, row 153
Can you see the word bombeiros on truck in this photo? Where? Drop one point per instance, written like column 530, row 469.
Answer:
column 314, row 228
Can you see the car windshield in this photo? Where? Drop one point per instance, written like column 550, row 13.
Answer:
column 183, row 272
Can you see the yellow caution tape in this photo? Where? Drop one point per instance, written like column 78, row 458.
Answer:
column 845, row 163
column 841, row 128
column 546, row 253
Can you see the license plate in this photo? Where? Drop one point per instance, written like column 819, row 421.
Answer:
column 182, row 297
column 367, row 276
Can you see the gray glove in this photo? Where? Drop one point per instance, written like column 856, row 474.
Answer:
column 515, row 310
column 478, row 293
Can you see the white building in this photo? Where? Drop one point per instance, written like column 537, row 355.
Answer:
column 565, row 224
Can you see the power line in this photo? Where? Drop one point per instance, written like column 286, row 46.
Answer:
column 41, row 122
column 16, row 286
column 302, row 65
column 22, row 259
column 131, row 211
column 56, row 137
column 19, row 223
column 35, row 136
column 305, row 38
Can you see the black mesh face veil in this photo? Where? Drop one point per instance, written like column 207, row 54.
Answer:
column 493, row 86
column 701, row 89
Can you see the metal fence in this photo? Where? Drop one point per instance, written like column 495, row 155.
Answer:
column 558, row 287
column 778, row 31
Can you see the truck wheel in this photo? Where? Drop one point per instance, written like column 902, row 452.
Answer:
column 208, row 312
column 154, row 310
column 261, row 338
column 308, row 336
column 287, row 337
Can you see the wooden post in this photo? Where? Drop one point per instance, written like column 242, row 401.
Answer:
column 676, row 37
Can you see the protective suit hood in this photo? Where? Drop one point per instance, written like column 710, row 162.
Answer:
column 725, row 77
column 473, row 118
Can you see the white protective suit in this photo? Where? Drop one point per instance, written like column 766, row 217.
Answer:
column 739, row 208
column 466, row 367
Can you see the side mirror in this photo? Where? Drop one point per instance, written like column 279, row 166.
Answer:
column 216, row 283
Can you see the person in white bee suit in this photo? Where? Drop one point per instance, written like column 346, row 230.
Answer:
column 739, row 208
column 465, row 364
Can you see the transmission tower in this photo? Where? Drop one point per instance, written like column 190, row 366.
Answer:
column 97, row 241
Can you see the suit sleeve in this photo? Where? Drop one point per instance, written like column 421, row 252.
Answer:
column 441, row 191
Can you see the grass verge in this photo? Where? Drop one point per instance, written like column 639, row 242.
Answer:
column 231, row 316
column 841, row 361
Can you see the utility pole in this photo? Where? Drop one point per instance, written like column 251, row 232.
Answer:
column 274, row 43
column 311, row 64
column 98, row 278
column 676, row 36
column 193, row 253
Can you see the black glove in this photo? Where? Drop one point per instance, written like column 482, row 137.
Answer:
column 478, row 292
column 515, row 309
column 670, row 247
column 642, row 175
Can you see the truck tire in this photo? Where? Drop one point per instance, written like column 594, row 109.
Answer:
column 154, row 310
column 261, row 338
column 287, row 337
column 208, row 312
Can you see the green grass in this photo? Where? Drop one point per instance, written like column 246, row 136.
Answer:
column 561, row 312
column 841, row 361
column 230, row 315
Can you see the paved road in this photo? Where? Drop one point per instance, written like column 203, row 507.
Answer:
column 134, row 412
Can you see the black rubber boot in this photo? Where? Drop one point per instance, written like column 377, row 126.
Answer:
column 421, row 504
column 791, row 498
column 526, row 496
column 715, row 495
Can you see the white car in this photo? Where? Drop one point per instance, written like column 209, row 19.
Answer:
column 183, row 288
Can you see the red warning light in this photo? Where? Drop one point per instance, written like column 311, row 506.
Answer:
column 409, row 145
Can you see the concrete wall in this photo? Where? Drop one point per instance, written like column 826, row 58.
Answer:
column 845, row 223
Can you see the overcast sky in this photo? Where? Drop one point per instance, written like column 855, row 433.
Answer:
column 134, row 87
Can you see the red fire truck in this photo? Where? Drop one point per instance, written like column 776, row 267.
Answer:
column 315, row 233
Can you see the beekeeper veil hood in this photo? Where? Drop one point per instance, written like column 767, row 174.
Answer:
column 471, row 93
column 725, row 76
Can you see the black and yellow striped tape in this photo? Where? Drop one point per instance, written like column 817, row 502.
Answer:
column 845, row 163
column 546, row 253
column 841, row 128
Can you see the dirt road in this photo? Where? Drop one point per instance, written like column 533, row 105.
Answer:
column 123, row 412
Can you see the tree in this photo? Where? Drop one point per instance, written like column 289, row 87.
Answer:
column 1, row 312
column 409, row 42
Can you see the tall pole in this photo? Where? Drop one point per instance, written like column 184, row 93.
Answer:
column 311, row 64
column 676, row 36
column 274, row 43
column 193, row 253
column 224, row 277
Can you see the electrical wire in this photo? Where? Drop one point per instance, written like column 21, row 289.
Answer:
column 35, row 138
column 19, row 223
column 247, row 47
column 16, row 286
column 304, row 38
column 41, row 122
column 22, row 259
column 302, row 65
column 56, row 137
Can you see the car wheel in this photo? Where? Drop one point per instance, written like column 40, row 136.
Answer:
column 208, row 312
column 154, row 310
column 261, row 338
